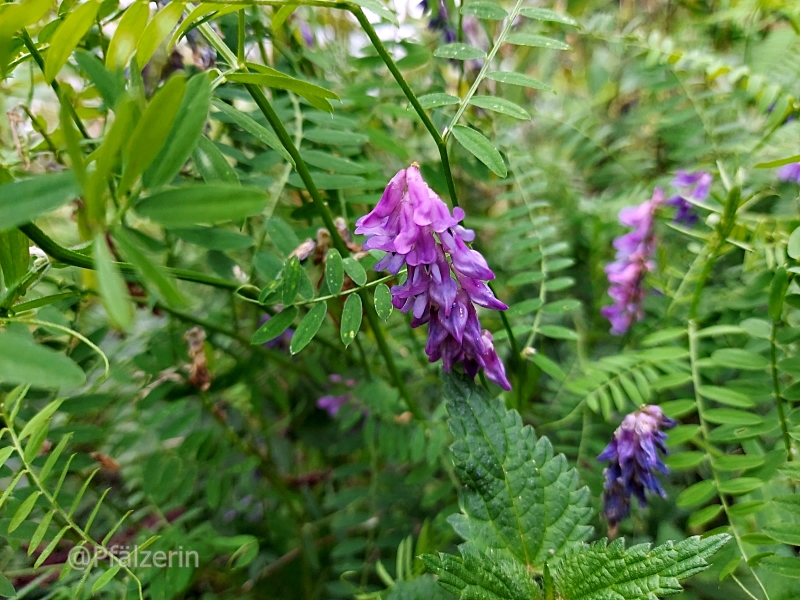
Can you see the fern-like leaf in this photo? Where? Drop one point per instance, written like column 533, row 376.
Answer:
column 520, row 500
column 610, row 572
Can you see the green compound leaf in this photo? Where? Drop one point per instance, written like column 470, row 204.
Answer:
column 521, row 501
column 482, row 148
column 308, row 327
column 478, row 576
column 351, row 318
column 605, row 572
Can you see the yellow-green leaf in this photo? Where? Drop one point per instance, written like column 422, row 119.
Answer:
column 157, row 31
column 113, row 291
column 67, row 37
column 129, row 30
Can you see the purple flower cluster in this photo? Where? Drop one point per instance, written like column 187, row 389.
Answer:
column 633, row 261
column 415, row 229
column 790, row 172
column 441, row 21
column 634, row 455
column 689, row 185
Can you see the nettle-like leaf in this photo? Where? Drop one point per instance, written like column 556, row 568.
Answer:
column 610, row 572
column 520, row 500
column 478, row 576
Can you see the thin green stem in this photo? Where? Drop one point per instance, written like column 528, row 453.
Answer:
column 486, row 66
column 776, row 390
column 240, row 55
column 700, row 404
column 31, row 46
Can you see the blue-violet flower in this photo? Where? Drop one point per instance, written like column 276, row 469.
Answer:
column 790, row 172
column 445, row 278
column 634, row 455
column 634, row 260
column 689, row 185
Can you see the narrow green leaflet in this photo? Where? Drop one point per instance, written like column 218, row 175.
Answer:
column 157, row 31
column 351, row 319
column 545, row 14
column 24, row 362
column 209, row 203
column 6, row 589
column 281, row 81
column 459, row 51
column 186, row 131
column 112, row 288
column 257, row 130
column 383, row 301
column 14, row 17
column 14, row 256
column 105, row 578
column 484, row 9
column 291, row 280
column 478, row 576
column 521, row 501
column 334, row 271
column 211, row 163
column 151, row 273
column 500, row 105
column 42, row 194
column 355, row 271
column 738, row 358
column 275, row 326
column 481, row 148
column 518, row 79
column 110, row 85
column 536, row 41
column 23, row 511
column 127, row 34
column 329, row 162
column 778, row 163
column 152, row 130
column 437, row 100
column 308, row 327
column 213, row 238
column 793, row 248
column 67, row 37
column 602, row 572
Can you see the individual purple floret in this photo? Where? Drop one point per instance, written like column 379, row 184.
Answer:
column 634, row 455
column 790, row 172
column 634, row 260
column 689, row 185
column 445, row 277
column 331, row 403
column 440, row 22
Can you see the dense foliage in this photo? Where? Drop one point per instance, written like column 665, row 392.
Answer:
column 481, row 299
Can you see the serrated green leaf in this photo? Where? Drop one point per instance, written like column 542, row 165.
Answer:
column 477, row 144
column 113, row 291
column 474, row 576
column 383, row 301
column 521, row 500
column 459, row 51
column 308, row 327
column 536, row 41
column 500, row 105
column 67, row 37
column 512, row 78
column 636, row 573
column 545, row 14
column 351, row 319
column 334, row 271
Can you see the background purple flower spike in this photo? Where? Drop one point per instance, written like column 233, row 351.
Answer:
column 696, row 186
column 634, row 454
column 790, row 172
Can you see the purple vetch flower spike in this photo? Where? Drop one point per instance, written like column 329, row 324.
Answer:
column 634, row 454
column 696, row 186
column 445, row 278
column 626, row 274
column 790, row 172
column 332, row 404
